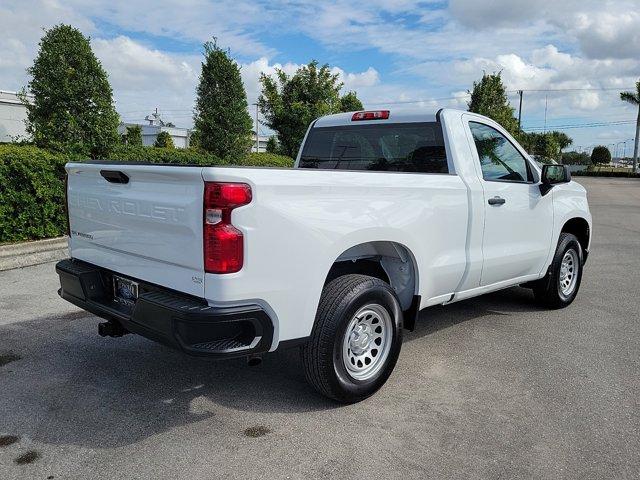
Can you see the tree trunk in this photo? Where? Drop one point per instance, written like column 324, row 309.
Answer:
column 635, row 148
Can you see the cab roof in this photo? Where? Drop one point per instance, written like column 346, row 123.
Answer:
column 342, row 119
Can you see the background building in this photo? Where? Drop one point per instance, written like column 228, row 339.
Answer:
column 150, row 131
column 180, row 136
column 262, row 142
column 12, row 117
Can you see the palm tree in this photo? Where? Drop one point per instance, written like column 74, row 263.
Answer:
column 634, row 99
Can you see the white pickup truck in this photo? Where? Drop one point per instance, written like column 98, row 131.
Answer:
column 384, row 214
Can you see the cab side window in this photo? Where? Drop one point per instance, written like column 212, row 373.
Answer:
column 499, row 159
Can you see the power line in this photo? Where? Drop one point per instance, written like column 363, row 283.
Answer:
column 586, row 89
column 532, row 90
column 419, row 101
column 581, row 125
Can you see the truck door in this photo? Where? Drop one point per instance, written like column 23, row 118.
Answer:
column 518, row 219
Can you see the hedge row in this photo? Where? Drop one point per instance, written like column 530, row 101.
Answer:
column 31, row 194
column 32, row 183
column 604, row 173
column 127, row 153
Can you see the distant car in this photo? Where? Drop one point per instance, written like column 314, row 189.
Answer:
column 382, row 215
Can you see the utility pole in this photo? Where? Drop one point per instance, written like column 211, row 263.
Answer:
column 546, row 99
column 520, row 110
column 257, row 139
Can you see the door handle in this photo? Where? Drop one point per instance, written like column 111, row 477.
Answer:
column 114, row 176
column 496, row 201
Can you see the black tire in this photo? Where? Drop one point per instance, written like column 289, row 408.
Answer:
column 322, row 355
column 548, row 291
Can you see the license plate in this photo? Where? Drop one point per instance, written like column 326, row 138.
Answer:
column 124, row 291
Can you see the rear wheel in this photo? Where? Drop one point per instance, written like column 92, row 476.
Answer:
column 356, row 338
column 562, row 282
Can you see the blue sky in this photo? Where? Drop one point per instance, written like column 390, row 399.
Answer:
column 574, row 56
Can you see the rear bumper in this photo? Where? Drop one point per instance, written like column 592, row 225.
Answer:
column 180, row 321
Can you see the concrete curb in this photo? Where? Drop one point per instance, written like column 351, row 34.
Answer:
column 18, row 255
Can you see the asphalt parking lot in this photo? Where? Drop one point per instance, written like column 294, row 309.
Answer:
column 492, row 387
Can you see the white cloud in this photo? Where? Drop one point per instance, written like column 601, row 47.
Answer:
column 587, row 100
column 354, row 81
column 609, row 35
column 602, row 28
column 431, row 49
column 496, row 13
column 144, row 78
column 22, row 24
column 132, row 65
column 251, row 71
column 251, row 75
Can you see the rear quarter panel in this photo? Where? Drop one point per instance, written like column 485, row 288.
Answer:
column 300, row 221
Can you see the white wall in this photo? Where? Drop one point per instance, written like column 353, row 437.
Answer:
column 180, row 136
column 12, row 116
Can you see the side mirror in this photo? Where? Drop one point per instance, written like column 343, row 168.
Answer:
column 552, row 175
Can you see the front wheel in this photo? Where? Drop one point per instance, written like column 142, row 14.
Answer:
column 356, row 338
column 562, row 282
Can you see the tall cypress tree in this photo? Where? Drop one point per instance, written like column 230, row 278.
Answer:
column 72, row 107
column 221, row 119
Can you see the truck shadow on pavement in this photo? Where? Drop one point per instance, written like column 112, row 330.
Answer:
column 70, row 386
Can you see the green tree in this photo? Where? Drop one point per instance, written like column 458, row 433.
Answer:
column 290, row 104
column 164, row 140
column 547, row 145
column 350, row 102
column 600, row 155
column 489, row 98
column 133, row 135
column 221, row 117
column 634, row 99
column 562, row 139
column 272, row 145
column 72, row 107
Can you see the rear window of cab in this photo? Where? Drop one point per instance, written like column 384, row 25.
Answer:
column 392, row 147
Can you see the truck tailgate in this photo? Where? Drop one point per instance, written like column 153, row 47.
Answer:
column 144, row 222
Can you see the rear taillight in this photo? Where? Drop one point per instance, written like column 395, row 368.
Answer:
column 223, row 243
column 370, row 115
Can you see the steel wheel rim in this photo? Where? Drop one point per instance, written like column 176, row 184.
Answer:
column 569, row 272
column 367, row 341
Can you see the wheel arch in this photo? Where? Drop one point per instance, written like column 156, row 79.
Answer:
column 579, row 227
column 390, row 261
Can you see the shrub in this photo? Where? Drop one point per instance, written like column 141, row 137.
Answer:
column 31, row 193
column 32, row 183
column 133, row 135
column 264, row 160
column 575, row 158
column 164, row 140
column 178, row 156
column 192, row 156
column 605, row 173
column 272, row 145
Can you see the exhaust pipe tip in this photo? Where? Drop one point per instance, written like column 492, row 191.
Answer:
column 254, row 360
